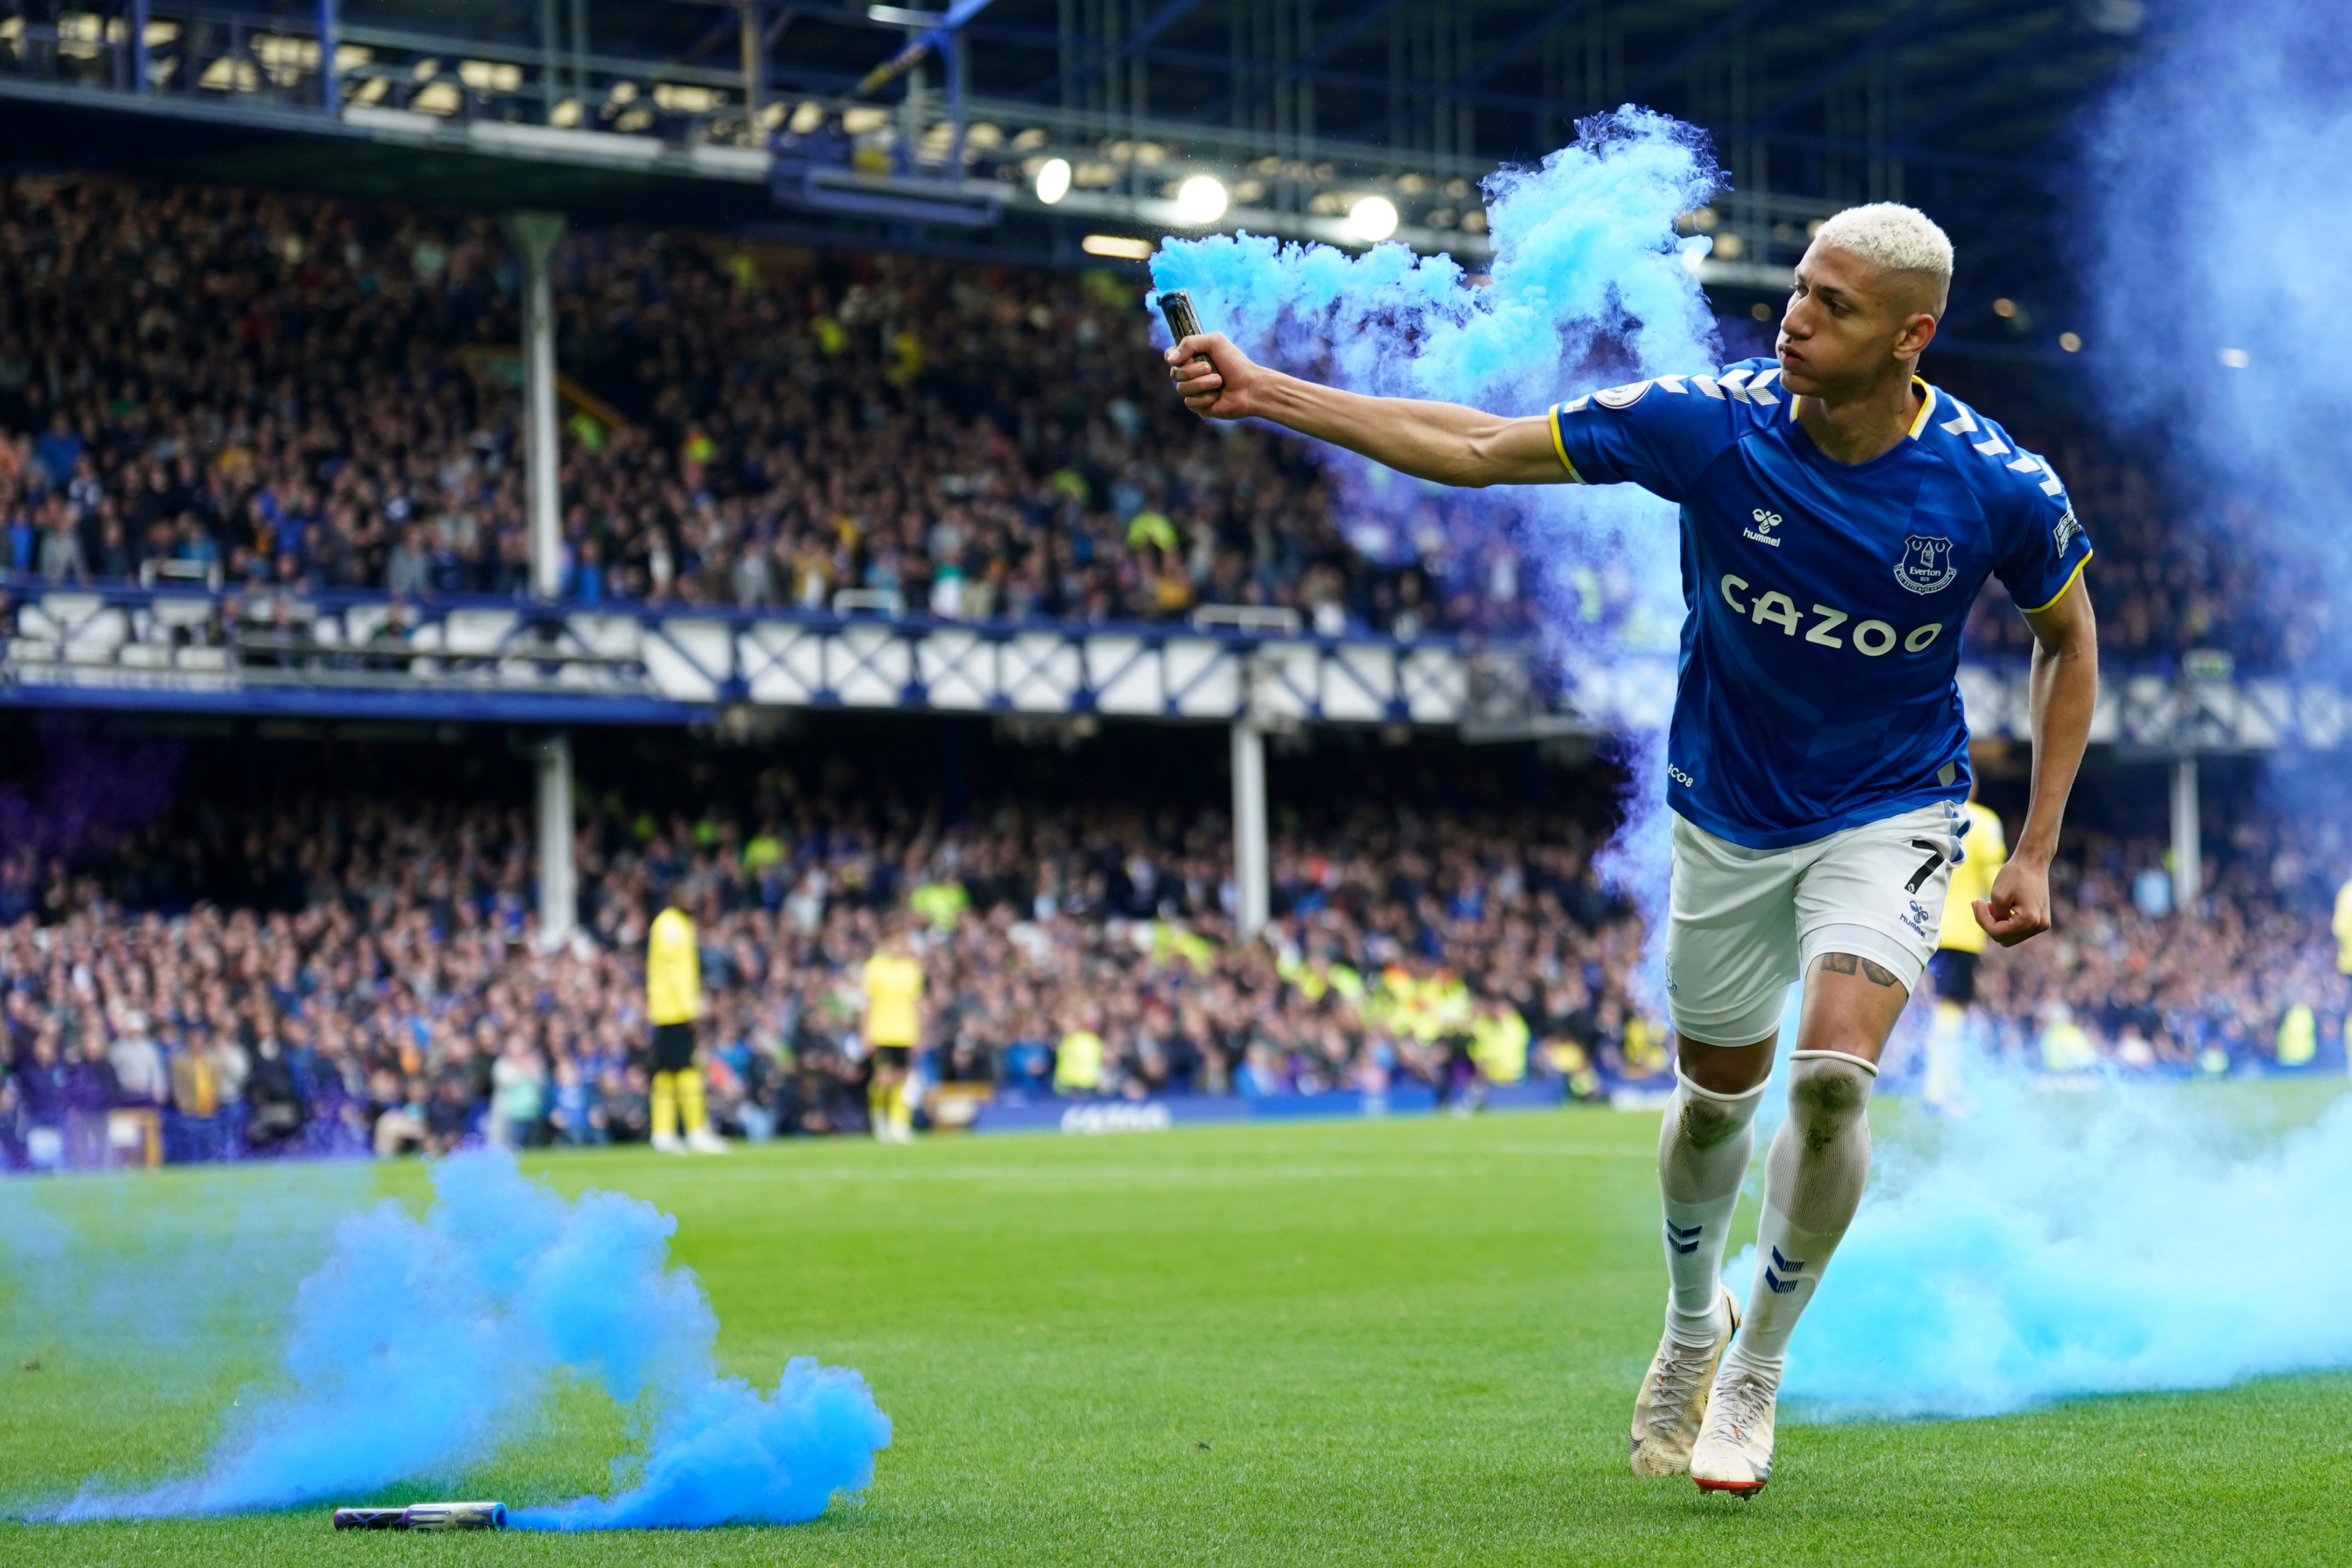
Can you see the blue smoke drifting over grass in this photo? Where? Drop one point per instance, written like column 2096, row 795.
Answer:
column 420, row 1346
column 89, row 1273
column 2122, row 1239
column 1587, row 288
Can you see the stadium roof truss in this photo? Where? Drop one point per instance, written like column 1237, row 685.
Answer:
column 927, row 123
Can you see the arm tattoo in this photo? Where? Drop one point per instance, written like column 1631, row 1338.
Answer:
column 1847, row 963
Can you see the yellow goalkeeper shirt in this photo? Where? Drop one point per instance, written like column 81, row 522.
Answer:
column 673, row 970
column 893, row 995
column 1972, row 880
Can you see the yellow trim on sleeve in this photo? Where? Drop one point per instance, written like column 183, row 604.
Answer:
column 2069, row 584
column 1926, row 407
column 1560, row 447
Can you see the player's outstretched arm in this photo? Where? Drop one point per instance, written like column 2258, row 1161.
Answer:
column 2064, row 689
column 1439, row 441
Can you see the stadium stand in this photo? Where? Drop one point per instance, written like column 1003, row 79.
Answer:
column 292, row 390
column 209, row 385
column 319, row 969
column 279, row 390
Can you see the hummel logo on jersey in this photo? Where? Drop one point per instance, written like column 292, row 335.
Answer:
column 1926, row 564
column 1765, row 523
column 2064, row 531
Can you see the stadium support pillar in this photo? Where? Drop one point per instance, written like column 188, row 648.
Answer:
column 2187, row 851
column 534, row 234
column 331, row 42
column 557, row 888
column 1250, row 881
column 752, row 63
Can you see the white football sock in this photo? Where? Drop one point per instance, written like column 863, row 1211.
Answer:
column 1703, row 1150
column 1812, row 1183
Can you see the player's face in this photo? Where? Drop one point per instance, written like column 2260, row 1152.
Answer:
column 1845, row 327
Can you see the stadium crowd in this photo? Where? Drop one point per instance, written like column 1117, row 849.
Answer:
column 295, row 392
column 2253, row 974
column 291, row 392
column 377, row 984
column 363, row 974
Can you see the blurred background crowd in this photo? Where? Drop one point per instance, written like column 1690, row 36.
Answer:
column 318, row 968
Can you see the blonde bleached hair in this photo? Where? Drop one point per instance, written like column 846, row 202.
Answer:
column 1899, row 239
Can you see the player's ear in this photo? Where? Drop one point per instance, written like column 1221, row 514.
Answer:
column 1911, row 341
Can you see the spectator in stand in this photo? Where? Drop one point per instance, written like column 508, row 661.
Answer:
column 518, row 1094
column 43, row 1095
column 90, row 1094
column 276, row 1107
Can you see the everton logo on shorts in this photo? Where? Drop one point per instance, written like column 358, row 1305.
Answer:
column 1625, row 396
column 1926, row 565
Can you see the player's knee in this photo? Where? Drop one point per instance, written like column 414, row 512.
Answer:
column 1827, row 1093
column 1707, row 1122
column 1704, row 1118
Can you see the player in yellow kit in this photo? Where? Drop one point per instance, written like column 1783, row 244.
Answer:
column 673, row 1001
column 1959, row 948
column 893, row 978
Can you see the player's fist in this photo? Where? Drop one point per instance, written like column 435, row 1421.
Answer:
column 1218, row 387
column 2019, row 906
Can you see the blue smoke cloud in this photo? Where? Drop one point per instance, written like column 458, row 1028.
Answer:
column 157, row 1291
column 420, row 1346
column 1587, row 288
column 2123, row 1240
column 2219, row 250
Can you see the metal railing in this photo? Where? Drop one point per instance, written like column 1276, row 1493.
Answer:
column 358, row 652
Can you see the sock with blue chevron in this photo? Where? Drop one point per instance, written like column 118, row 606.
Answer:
column 1703, row 1150
column 1812, row 1184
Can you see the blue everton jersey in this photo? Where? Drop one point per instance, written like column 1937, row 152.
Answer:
column 1826, row 599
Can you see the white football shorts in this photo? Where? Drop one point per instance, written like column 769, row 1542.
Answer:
column 1743, row 924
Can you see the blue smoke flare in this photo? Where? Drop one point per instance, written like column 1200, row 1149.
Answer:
column 420, row 1346
column 1587, row 288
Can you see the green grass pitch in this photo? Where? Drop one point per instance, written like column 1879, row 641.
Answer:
column 1407, row 1342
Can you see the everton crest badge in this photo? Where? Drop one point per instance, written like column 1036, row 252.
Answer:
column 1926, row 564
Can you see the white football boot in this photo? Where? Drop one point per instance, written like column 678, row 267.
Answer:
column 703, row 1141
column 1673, row 1402
column 1734, row 1452
column 669, row 1144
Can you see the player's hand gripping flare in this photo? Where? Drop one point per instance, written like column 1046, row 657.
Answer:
column 1217, row 387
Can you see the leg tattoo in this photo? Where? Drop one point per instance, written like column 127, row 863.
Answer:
column 1847, row 963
